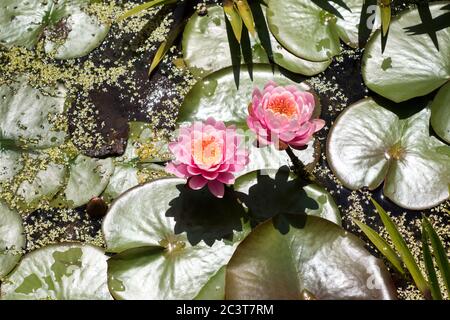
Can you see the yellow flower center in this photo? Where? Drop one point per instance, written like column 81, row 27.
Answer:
column 283, row 105
column 207, row 151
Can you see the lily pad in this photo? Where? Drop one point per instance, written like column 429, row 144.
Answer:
column 138, row 226
column 319, row 256
column 124, row 178
column 145, row 145
column 59, row 272
column 69, row 32
column 410, row 66
column 217, row 96
column 26, row 115
column 10, row 165
column 272, row 192
column 12, row 239
column 269, row 157
column 440, row 113
column 310, row 32
column 206, row 48
column 86, row 33
column 45, row 184
column 369, row 144
column 29, row 179
column 88, row 179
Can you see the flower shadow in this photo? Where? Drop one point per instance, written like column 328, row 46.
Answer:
column 281, row 199
column 204, row 217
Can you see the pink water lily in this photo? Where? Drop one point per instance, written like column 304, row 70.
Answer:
column 208, row 153
column 283, row 115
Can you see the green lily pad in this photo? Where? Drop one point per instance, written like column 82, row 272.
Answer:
column 26, row 115
column 45, row 184
column 69, row 32
column 124, row 178
column 206, row 48
column 319, row 256
column 10, row 165
column 269, row 157
column 12, row 239
column 21, row 21
column 145, row 145
column 214, row 288
column 369, row 144
column 274, row 191
column 310, row 32
column 29, row 179
column 217, row 96
column 59, row 272
column 86, row 33
column 410, row 66
column 138, row 226
column 440, row 113
column 88, row 179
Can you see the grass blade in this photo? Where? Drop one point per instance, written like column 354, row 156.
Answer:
column 429, row 265
column 143, row 7
column 439, row 253
column 385, row 9
column 165, row 46
column 234, row 18
column 404, row 251
column 382, row 246
column 246, row 15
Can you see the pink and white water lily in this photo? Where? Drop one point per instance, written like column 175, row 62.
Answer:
column 283, row 115
column 208, row 153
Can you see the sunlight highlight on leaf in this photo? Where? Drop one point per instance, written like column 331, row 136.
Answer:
column 143, row 7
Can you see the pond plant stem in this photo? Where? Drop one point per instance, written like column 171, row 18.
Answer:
column 299, row 168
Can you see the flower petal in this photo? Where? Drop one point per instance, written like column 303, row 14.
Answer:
column 197, row 182
column 217, row 188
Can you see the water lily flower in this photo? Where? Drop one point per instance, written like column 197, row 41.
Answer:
column 208, row 153
column 282, row 115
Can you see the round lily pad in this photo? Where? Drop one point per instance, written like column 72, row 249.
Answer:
column 308, row 31
column 318, row 256
column 76, row 35
column 440, row 113
column 217, row 96
column 125, row 177
column 69, row 32
column 206, row 48
column 269, row 157
column 26, row 115
column 270, row 192
column 369, row 144
column 145, row 145
column 10, row 165
column 410, row 66
column 88, row 179
column 12, row 239
column 21, row 22
column 44, row 185
column 59, row 272
column 141, row 227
